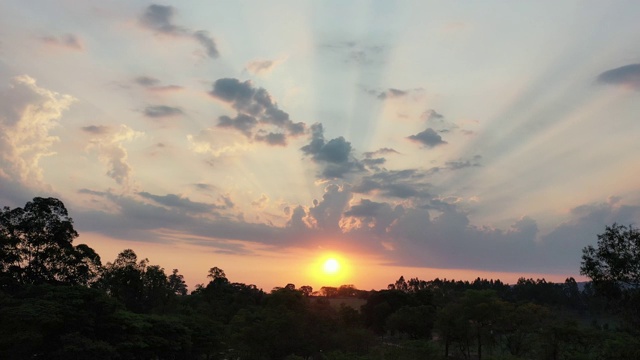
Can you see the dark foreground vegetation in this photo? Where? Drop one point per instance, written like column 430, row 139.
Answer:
column 58, row 301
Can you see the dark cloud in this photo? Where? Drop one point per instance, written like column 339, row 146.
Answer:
column 628, row 76
column 373, row 162
column 69, row 41
column 135, row 219
column 326, row 214
column 335, row 154
column 296, row 220
column 401, row 184
column 242, row 123
column 275, row 139
column 255, row 103
column 180, row 203
column 159, row 18
column 207, row 42
column 160, row 111
column 96, row 129
column 429, row 138
column 366, row 208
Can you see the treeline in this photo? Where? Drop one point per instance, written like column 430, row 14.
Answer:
column 58, row 301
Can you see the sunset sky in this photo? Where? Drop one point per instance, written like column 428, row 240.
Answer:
column 416, row 138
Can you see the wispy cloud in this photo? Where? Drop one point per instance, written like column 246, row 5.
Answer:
column 159, row 18
column 111, row 151
column 162, row 111
column 68, row 41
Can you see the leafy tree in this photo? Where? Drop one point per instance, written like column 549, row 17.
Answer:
column 177, row 283
column 36, row 246
column 616, row 259
column 306, row 290
column 217, row 275
column 140, row 286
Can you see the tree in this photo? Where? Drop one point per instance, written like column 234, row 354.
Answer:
column 140, row 286
column 614, row 268
column 616, row 259
column 306, row 290
column 36, row 245
column 177, row 283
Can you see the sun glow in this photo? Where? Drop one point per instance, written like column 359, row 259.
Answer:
column 331, row 266
column 330, row 269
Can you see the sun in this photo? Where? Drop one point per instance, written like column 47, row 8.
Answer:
column 331, row 266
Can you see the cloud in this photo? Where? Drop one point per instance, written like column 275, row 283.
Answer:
column 112, row 152
column 159, row 18
column 392, row 93
column 429, row 138
column 207, row 42
column 261, row 202
column 256, row 110
column 326, row 214
column 96, row 129
column 69, row 41
column 216, row 143
column 335, row 155
column 27, row 115
column 371, row 161
column 173, row 218
column 153, row 84
column 370, row 217
column 181, row 203
column 402, row 184
column 274, row 139
column 381, row 151
column 627, row 76
column 461, row 164
column 242, row 123
column 353, row 52
column 161, row 111
column 431, row 116
column 260, row 66
column 146, row 81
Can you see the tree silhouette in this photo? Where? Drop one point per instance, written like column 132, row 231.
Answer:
column 37, row 245
column 617, row 257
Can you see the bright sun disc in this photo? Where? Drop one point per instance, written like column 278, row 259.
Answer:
column 331, row 266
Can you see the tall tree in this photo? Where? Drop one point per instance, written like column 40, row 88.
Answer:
column 177, row 283
column 140, row 286
column 616, row 259
column 37, row 245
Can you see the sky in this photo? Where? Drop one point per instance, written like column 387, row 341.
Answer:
column 417, row 138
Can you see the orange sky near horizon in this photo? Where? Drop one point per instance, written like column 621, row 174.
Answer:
column 302, row 267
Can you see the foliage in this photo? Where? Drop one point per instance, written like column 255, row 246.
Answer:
column 36, row 246
column 616, row 259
